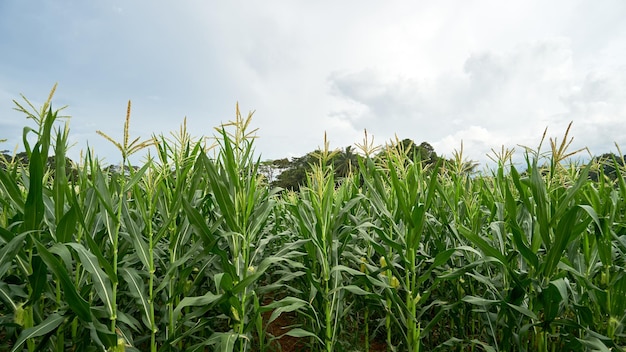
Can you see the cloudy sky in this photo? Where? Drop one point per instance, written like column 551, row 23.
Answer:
column 488, row 73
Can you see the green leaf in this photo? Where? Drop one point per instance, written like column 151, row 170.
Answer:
column 479, row 301
column 223, row 281
column 103, row 193
column 60, row 250
column 285, row 305
column 540, row 196
column 73, row 299
column 516, row 230
column 594, row 344
column 137, row 290
column 136, row 178
column 5, row 234
column 484, row 345
column 223, row 341
column 572, row 192
column 38, row 279
column 60, row 174
column 50, row 324
column 173, row 268
column 12, row 190
column 482, row 244
column 199, row 224
column 343, row 268
column 5, row 296
column 67, row 226
column 45, row 135
column 100, row 279
column 567, row 229
column 102, row 335
column 9, row 251
column 141, row 247
column 34, row 208
column 104, row 263
column 551, row 300
column 207, row 299
column 299, row 332
column 523, row 310
column 354, row 290
column 442, row 257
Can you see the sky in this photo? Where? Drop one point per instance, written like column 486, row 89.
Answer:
column 484, row 74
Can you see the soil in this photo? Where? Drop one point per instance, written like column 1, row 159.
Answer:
column 289, row 344
column 277, row 328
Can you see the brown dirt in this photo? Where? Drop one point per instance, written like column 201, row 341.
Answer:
column 278, row 328
column 290, row 344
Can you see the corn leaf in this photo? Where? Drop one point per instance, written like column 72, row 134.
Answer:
column 9, row 251
column 67, row 226
column 34, row 208
column 12, row 190
column 74, row 300
column 140, row 245
column 207, row 299
column 100, row 279
column 51, row 323
column 137, row 289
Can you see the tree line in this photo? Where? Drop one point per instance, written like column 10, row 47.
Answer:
column 291, row 173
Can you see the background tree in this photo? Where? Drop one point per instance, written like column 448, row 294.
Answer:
column 345, row 162
column 22, row 160
column 270, row 169
column 423, row 152
column 291, row 173
column 294, row 173
column 606, row 166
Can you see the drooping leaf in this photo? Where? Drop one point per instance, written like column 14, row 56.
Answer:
column 479, row 301
column 9, row 251
column 137, row 290
column 354, row 290
column 140, row 245
column 6, row 296
column 51, row 323
column 12, row 189
column 299, row 332
column 76, row 303
column 285, row 305
column 100, row 279
column 207, row 299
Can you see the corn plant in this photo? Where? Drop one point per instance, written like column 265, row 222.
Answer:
column 39, row 245
column 193, row 251
column 239, row 238
column 324, row 216
column 401, row 193
column 530, row 239
column 179, row 254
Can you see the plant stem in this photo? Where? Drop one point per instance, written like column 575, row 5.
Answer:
column 153, row 327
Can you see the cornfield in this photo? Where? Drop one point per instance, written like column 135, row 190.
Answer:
column 193, row 251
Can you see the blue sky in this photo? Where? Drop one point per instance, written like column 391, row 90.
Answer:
column 488, row 73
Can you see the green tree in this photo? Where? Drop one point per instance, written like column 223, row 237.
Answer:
column 270, row 169
column 294, row 173
column 423, row 152
column 606, row 166
column 345, row 162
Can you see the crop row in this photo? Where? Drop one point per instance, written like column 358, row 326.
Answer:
column 194, row 251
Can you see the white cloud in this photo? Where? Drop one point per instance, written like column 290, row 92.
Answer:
column 489, row 73
column 501, row 97
column 598, row 107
